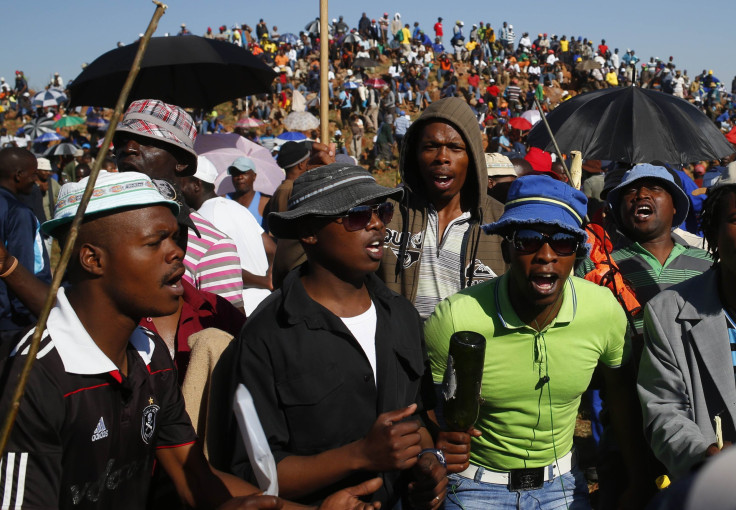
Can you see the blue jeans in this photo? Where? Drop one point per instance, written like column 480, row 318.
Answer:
column 567, row 491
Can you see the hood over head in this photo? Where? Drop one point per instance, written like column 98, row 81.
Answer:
column 456, row 112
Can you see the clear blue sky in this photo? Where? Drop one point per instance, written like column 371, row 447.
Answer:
column 45, row 36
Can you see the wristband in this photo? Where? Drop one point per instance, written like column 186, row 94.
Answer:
column 437, row 453
column 11, row 269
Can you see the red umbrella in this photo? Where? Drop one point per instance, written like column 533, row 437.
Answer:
column 376, row 83
column 731, row 136
column 520, row 123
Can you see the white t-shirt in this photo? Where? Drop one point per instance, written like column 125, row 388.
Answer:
column 363, row 328
column 236, row 222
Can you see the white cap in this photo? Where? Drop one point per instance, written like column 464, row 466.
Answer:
column 206, row 171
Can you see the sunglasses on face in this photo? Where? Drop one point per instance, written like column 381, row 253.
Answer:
column 360, row 216
column 531, row 241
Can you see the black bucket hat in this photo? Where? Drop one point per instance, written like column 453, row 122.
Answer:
column 326, row 191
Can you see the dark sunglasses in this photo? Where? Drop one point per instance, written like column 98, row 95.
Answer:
column 360, row 216
column 531, row 241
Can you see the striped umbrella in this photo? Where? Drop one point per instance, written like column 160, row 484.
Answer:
column 50, row 97
column 39, row 126
column 63, row 149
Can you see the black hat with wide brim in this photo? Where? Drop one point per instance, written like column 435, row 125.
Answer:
column 329, row 190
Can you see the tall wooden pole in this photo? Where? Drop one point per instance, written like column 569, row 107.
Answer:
column 324, row 69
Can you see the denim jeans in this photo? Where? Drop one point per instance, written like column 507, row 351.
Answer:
column 567, row 491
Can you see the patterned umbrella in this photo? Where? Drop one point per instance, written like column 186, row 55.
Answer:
column 67, row 121
column 301, row 121
column 352, row 37
column 350, row 85
column 50, row 97
column 376, row 83
column 39, row 126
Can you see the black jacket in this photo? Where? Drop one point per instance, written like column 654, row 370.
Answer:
column 312, row 383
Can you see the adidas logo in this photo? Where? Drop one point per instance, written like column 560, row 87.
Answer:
column 100, row 430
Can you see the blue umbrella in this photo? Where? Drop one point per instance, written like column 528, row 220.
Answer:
column 289, row 39
column 292, row 136
column 350, row 85
column 48, row 137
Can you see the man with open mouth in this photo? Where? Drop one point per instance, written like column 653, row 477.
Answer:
column 543, row 343
column 334, row 360
column 647, row 205
column 434, row 244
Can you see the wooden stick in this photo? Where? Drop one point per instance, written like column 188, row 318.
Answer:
column 74, row 229
column 552, row 136
column 324, row 70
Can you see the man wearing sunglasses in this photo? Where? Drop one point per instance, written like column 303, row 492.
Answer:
column 434, row 243
column 334, row 360
column 544, row 339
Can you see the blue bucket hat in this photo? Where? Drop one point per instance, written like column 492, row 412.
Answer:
column 647, row 171
column 540, row 199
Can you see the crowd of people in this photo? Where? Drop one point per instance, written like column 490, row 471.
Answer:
column 207, row 346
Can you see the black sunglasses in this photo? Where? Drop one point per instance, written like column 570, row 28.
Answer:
column 531, row 241
column 360, row 216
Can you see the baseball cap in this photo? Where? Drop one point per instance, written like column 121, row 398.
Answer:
column 242, row 165
column 113, row 191
column 324, row 191
column 206, row 171
column 151, row 118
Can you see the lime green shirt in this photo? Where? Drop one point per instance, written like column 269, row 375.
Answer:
column 516, row 417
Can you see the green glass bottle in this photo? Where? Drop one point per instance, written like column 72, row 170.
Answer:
column 461, row 384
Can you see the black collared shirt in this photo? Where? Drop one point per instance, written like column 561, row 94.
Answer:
column 86, row 435
column 312, row 384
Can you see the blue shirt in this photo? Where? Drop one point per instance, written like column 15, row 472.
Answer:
column 20, row 231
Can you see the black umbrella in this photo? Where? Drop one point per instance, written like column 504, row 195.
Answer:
column 186, row 71
column 365, row 62
column 632, row 125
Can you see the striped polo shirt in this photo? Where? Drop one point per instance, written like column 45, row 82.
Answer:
column 647, row 276
column 441, row 269
column 212, row 263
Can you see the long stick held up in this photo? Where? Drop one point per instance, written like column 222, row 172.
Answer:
column 74, row 229
column 324, row 69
